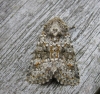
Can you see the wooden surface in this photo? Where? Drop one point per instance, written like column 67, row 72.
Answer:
column 21, row 23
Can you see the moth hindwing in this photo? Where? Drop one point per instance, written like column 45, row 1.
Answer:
column 54, row 56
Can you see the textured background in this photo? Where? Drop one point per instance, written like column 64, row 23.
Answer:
column 21, row 22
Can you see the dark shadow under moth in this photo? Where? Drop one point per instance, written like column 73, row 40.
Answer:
column 54, row 56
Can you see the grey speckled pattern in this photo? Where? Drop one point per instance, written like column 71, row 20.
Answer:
column 21, row 24
column 54, row 56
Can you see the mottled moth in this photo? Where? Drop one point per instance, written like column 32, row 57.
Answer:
column 54, row 56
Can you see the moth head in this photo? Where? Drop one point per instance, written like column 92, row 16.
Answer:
column 55, row 27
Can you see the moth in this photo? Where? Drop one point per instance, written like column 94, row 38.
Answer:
column 54, row 56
